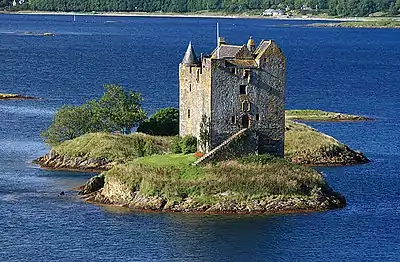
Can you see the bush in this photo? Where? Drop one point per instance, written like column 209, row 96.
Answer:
column 164, row 122
column 189, row 144
column 176, row 145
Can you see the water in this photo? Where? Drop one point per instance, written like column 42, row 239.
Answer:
column 347, row 70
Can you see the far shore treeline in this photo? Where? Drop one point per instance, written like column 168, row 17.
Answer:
column 341, row 8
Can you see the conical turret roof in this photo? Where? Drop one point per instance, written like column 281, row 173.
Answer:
column 190, row 56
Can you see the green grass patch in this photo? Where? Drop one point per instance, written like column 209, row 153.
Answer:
column 172, row 177
column 319, row 115
column 374, row 23
column 304, row 141
column 114, row 147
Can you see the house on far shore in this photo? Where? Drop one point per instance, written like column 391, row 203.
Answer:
column 273, row 12
column 237, row 91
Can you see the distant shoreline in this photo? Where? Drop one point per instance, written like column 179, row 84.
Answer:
column 187, row 15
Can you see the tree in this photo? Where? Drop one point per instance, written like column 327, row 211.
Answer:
column 116, row 110
column 120, row 111
column 70, row 122
column 164, row 122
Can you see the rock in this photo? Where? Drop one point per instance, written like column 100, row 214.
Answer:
column 94, row 184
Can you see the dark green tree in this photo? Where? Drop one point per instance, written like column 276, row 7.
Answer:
column 164, row 122
column 115, row 111
column 120, row 110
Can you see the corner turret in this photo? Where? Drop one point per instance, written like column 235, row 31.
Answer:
column 190, row 58
column 251, row 44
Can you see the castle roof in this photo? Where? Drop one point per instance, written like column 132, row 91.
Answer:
column 232, row 51
column 226, row 51
column 242, row 62
column 190, row 56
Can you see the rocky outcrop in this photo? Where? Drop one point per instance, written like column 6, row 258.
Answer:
column 92, row 185
column 15, row 97
column 54, row 160
column 116, row 193
column 332, row 156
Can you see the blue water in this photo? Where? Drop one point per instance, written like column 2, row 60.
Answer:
column 347, row 70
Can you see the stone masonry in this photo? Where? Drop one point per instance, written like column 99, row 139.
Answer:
column 233, row 88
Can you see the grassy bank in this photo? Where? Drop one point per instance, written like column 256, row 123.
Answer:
column 173, row 178
column 362, row 24
column 114, row 147
column 319, row 115
column 303, row 145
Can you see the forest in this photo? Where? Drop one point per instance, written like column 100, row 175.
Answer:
column 340, row 8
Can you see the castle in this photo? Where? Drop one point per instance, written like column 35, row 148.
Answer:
column 235, row 88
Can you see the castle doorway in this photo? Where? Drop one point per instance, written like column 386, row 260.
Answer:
column 245, row 121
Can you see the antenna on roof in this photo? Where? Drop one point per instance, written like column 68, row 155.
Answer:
column 217, row 40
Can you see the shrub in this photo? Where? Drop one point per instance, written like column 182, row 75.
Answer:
column 164, row 122
column 176, row 145
column 189, row 144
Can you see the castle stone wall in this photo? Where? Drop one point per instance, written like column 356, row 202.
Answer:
column 214, row 89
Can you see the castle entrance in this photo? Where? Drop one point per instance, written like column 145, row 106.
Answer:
column 245, row 121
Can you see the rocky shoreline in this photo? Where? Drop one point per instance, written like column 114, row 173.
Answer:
column 56, row 161
column 331, row 157
column 112, row 192
column 353, row 25
column 16, row 97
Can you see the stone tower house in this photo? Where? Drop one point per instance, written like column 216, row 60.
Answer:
column 234, row 88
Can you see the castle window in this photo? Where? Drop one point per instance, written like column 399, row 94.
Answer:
column 257, row 117
column 190, row 87
column 233, row 70
column 197, row 75
column 190, row 69
column 246, row 106
column 233, row 119
column 246, row 73
column 243, row 89
column 188, row 113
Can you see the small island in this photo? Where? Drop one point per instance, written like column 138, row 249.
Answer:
column 322, row 116
column 236, row 154
column 361, row 24
column 142, row 172
column 15, row 97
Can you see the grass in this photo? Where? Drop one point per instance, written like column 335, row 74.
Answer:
column 301, row 141
column 319, row 115
column 241, row 179
column 375, row 23
column 114, row 147
column 304, row 141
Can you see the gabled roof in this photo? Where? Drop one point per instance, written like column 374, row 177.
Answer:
column 226, row 51
column 263, row 46
column 190, row 56
column 232, row 51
